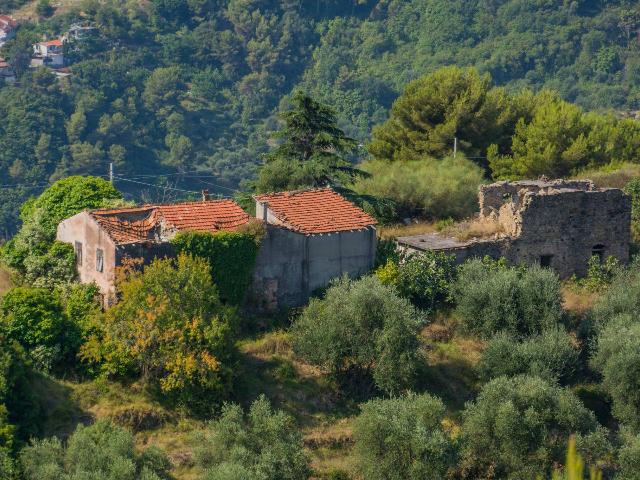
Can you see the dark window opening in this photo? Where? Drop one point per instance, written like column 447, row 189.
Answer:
column 598, row 251
column 78, row 249
column 545, row 260
column 99, row 260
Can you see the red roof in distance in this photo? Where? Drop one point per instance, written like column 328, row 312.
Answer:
column 141, row 224
column 316, row 211
column 51, row 43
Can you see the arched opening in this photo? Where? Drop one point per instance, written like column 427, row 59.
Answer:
column 598, row 251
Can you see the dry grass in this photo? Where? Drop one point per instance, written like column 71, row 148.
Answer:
column 28, row 11
column 613, row 176
column 273, row 343
column 395, row 231
column 5, row 281
column 474, row 228
column 577, row 300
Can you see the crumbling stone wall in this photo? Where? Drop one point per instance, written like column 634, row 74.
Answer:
column 492, row 197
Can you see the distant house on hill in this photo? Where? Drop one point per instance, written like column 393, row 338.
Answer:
column 6, row 71
column 102, row 239
column 8, row 28
column 48, row 54
column 313, row 236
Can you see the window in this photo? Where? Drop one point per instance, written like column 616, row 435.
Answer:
column 598, row 251
column 78, row 249
column 545, row 260
column 99, row 260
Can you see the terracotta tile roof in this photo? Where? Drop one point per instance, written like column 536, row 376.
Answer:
column 51, row 43
column 7, row 23
column 316, row 211
column 145, row 223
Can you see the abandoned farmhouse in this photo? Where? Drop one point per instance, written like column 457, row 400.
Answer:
column 314, row 236
column 311, row 238
column 558, row 224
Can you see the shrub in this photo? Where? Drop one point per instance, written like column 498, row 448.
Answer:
column 403, row 438
column 629, row 458
column 633, row 189
column 169, row 327
column 231, row 255
column 519, row 427
column 425, row 188
column 34, row 318
column 426, row 279
column 262, row 445
column 550, row 355
column 492, row 298
column 622, row 297
column 361, row 327
column 102, row 450
column 617, row 357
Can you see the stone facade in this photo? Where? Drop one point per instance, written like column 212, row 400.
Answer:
column 558, row 224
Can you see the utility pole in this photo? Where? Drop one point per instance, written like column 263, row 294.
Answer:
column 111, row 172
column 455, row 146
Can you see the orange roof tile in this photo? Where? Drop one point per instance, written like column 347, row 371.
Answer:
column 51, row 43
column 316, row 211
column 141, row 224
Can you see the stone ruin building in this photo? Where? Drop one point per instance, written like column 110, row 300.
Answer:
column 559, row 224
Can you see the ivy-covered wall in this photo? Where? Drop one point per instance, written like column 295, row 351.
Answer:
column 231, row 255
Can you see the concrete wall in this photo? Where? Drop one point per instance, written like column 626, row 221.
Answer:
column 290, row 266
column 480, row 249
column 82, row 228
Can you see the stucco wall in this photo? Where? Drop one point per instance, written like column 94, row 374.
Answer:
column 82, row 228
column 290, row 266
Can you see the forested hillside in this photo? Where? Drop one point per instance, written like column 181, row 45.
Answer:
column 193, row 86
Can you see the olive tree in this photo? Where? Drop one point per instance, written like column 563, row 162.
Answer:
column 360, row 327
column 519, row 427
column 403, row 439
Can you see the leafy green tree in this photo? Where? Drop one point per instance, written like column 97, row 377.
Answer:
column 620, row 299
column 360, row 328
column 519, row 427
column 616, row 358
column 433, row 110
column 426, row 279
column 170, row 328
column 550, row 355
column 633, row 189
column 491, row 298
column 34, row 318
column 403, row 438
column 629, row 457
column 312, row 152
column 262, row 444
column 102, row 450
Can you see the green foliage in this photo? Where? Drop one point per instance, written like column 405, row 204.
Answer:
column 362, row 328
column 621, row 298
column 600, row 274
column 518, row 427
column 632, row 188
column 102, row 450
column 44, row 8
column 388, row 273
column 426, row 187
column 617, row 357
column 550, row 355
column 262, row 445
column 403, row 438
column 231, row 256
column 426, row 279
column 434, row 109
column 312, row 151
column 491, row 298
column 170, row 328
column 33, row 317
column 33, row 252
column 629, row 457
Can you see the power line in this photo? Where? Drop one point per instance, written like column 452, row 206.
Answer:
column 120, row 179
column 26, row 186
